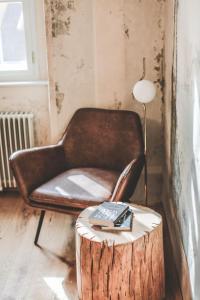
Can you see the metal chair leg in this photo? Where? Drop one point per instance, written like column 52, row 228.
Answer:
column 39, row 227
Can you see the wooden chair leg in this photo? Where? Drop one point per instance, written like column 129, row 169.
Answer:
column 39, row 227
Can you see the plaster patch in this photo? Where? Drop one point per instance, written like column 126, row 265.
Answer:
column 81, row 64
column 60, row 27
column 59, row 98
column 159, row 68
column 64, row 56
column 126, row 31
column 117, row 104
column 159, row 56
column 60, row 20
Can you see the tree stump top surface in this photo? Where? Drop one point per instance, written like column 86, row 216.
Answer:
column 145, row 220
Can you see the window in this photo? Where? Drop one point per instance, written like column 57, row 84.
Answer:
column 17, row 41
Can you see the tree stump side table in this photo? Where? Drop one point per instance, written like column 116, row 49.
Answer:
column 121, row 265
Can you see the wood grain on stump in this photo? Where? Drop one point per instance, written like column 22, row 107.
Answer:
column 121, row 265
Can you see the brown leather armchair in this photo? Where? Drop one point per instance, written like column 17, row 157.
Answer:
column 99, row 158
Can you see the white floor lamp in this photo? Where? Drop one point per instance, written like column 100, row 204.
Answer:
column 144, row 91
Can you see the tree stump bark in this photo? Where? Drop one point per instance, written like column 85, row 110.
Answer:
column 121, row 265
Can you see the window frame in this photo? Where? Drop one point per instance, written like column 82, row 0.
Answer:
column 32, row 73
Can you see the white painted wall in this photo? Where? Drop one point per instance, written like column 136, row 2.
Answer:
column 187, row 150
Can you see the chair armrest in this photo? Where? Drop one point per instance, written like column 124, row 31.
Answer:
column 128, row 179
column 32, row 167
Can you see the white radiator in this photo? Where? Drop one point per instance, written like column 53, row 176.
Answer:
column 16, row 132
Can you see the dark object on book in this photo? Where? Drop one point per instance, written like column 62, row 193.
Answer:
column 124, row 224
column 108, row 213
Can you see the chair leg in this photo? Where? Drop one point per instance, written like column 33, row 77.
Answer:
column 39, row 227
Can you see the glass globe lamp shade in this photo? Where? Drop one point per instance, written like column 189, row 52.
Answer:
column 144, row 91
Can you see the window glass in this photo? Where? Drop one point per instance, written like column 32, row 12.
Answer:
column 13, row 52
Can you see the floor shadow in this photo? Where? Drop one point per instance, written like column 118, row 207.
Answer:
column 70, row 263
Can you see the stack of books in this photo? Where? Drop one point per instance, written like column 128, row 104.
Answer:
column 112, row 216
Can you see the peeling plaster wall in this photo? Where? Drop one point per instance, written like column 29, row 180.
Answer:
column 109, row 53
column 70, row 41
column 29, row 99
column 186, row 166
column 143, row 28
column 169, row 88
column 95, row 56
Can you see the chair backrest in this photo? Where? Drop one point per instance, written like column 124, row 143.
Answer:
column 103, row 138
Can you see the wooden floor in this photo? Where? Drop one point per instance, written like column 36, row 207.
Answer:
column 28, row 272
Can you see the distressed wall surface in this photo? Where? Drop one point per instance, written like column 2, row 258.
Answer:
column 182, row 111
column 187, row 150
column 29, row 99
column 70, row 42
column 95, row 56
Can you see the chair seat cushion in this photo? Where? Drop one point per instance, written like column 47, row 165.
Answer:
column 78, row 188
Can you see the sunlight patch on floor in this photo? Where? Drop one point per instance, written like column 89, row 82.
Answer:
column 56, row 285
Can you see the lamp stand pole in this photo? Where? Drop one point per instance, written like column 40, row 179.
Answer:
column 145, row 154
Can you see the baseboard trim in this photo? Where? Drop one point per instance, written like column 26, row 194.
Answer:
column 178, row 251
